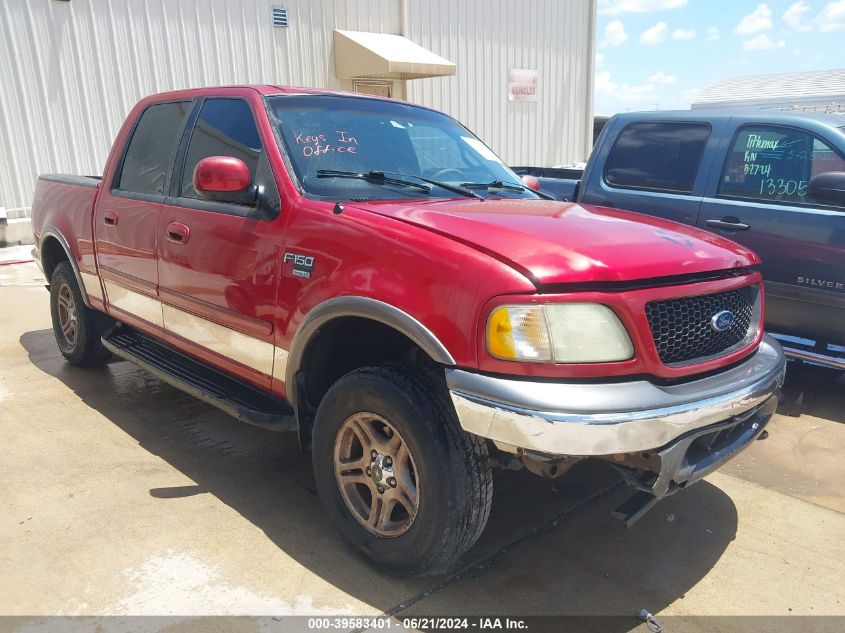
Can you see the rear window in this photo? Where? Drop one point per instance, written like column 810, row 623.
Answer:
column 660, row 156
column 152, row 149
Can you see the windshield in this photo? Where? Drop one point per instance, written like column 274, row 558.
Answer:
column 336, row 143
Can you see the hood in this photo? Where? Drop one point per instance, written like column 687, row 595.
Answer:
column 561, row 242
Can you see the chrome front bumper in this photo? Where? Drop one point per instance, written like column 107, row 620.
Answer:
column 567, row 418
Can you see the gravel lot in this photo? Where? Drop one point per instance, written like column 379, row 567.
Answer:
column 123, row 496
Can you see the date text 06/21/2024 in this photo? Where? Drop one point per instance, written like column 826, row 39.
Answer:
column 419, row 623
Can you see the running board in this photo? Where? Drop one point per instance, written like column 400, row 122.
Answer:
column 237, row 398
column 811, row 351
column 834, row 362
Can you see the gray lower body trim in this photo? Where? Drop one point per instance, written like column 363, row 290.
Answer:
column 560, row 418
column 366, row 308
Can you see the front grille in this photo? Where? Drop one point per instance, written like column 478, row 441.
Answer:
column 682, row 329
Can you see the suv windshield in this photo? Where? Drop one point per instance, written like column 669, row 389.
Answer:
column 337, row 143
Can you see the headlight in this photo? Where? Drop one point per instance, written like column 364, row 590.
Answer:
column 560, row 333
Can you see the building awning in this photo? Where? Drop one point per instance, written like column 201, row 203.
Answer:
column 360, row 54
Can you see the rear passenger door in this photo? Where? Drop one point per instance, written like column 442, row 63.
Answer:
column 127, row 214
column 218, row 262
column 653, row 167
column 759, row 200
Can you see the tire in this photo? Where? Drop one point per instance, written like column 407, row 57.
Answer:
column 450, row 469
column 77, row 328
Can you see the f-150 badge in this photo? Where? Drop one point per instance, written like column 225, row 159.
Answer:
column 303, row 265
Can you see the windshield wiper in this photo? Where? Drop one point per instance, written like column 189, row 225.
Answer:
column 496, row 184
column 508, row 186
column 371, row 176
column 375, row 175
column 464, row 191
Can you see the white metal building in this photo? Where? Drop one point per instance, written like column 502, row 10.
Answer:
column 517, row 72
column 817, row 89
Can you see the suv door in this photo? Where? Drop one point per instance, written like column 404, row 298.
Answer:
column 127, row 213
column 653, row 167
column 760, row 201
column 218, row 262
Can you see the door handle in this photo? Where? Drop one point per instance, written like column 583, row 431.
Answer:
column 111, row 217
column 727, row 224
column 178, row 233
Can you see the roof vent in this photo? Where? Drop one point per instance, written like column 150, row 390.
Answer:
column 280, row 17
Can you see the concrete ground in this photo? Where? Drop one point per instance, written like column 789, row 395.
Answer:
column 121, row 495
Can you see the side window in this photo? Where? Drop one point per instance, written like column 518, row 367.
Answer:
column 225, row 127
column 152, row 148
column 662, row 156
column 775, row 164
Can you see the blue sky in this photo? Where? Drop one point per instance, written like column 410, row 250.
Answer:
column 651, row 52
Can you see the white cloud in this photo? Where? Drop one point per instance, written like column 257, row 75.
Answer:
column 658, row 91
column 624, row 92
column 614, row 34
column 656, row 34
column 683, row 34
column 762, row 43
column 691, row 93
column 615, row 7
column 832, row 17
column 758, row 20
column 662, row 78
column 794, row 15
column 712, row 34
column 599, row 59
column 604, row 84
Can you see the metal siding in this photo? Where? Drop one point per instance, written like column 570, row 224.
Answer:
column 485, row 39
column 71, row 71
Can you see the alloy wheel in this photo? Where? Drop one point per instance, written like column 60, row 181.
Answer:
column 376, row 475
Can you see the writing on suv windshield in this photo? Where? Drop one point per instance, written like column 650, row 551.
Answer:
column 336, row 144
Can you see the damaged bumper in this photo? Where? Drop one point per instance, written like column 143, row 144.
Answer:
column 595, row 419
column 660, row 437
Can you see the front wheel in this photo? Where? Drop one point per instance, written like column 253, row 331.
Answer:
column 395, row 472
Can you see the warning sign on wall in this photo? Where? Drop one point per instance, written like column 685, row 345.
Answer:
column 522, row 84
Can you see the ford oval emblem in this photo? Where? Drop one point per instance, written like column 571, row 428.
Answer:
column 722, row 321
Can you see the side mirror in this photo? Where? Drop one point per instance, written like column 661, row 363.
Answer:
column 224, row 179
column 531, row 182
column 828, row 188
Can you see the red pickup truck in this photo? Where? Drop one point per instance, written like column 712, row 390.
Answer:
column 367, row 273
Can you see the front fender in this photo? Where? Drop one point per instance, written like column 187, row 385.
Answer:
column 368, row 308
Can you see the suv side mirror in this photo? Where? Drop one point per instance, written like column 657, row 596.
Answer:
column 828, row 188
column 224, row 179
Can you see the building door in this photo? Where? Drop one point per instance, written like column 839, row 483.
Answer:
column 377, row 88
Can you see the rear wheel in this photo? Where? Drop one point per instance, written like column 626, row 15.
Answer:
column 395, row 472
column 77, row 328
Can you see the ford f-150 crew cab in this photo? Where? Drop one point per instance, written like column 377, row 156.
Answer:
column 367, row 273
column 772, row 181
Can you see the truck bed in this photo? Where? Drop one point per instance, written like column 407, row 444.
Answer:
column 70, row 179
column 62, row 225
